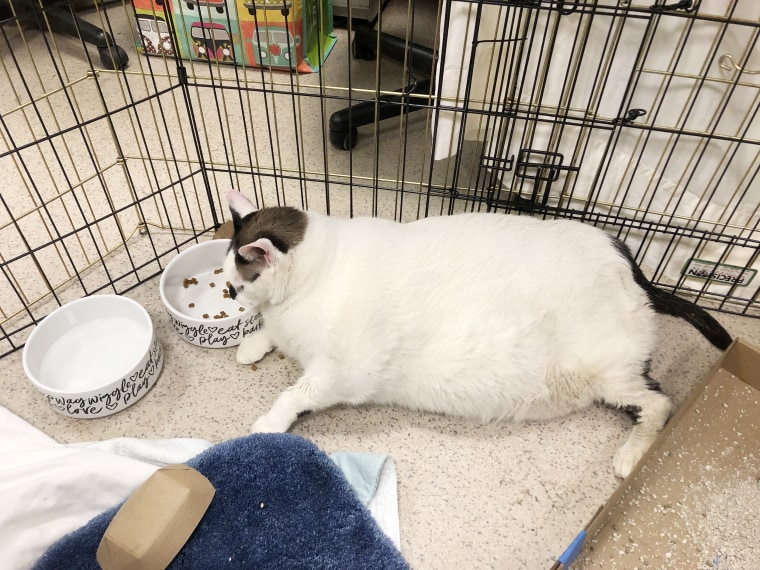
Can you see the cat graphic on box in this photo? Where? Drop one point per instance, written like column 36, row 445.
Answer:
column 486, row 316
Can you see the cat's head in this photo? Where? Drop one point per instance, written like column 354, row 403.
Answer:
column 260, row 250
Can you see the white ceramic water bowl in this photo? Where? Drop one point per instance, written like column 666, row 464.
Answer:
column 196, row 297
column 94, row 357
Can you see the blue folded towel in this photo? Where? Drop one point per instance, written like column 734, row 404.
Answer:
column 311, row 518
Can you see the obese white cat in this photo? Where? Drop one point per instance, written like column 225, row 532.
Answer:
column 487, row 316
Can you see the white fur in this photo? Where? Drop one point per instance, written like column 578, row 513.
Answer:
column 486, row 316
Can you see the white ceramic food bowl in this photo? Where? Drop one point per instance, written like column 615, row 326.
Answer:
column 94, row 357
column 196, row 296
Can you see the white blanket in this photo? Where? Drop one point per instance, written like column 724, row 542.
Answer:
column 48, row 489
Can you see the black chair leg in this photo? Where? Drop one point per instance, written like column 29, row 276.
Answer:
column 344, row 123
column 343, row 126
column 64, row 21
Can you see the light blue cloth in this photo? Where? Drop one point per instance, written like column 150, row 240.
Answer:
column 373, row 479
column 362, row 471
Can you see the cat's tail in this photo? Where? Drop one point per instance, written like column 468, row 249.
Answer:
column 670, row 304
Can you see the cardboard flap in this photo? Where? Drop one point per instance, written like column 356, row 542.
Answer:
column 743, row 360
column 225, row 231
column 699, row 473
column 156, row 520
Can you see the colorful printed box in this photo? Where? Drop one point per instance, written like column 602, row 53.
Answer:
column 285, row 33
column 208, row 30
column 153, row 20
column 281, row 34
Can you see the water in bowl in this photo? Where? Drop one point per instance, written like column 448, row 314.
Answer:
column 94, row 353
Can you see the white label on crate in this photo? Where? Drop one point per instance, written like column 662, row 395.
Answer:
column 719, row 272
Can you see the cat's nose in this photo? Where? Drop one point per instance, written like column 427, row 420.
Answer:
column 233, row 292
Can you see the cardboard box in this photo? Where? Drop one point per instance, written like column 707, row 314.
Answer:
column 225, row 231
column 156, row 520
column 694, row 499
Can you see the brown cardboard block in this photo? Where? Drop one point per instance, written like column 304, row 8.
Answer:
column 693, row 501
column 225, row 231
column 156, row 520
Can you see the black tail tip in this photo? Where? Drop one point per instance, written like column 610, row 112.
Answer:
column 710, row 328
column 720, row 338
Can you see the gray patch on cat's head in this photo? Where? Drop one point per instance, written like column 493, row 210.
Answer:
column 285, row 227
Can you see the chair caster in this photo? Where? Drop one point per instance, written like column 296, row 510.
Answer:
column 361, row 52
column 113, row 57
column 344, row 140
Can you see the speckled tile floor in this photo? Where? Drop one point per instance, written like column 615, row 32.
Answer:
column 470, row 496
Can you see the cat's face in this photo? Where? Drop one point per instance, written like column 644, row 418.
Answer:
column 259, row 249
column 246, row 286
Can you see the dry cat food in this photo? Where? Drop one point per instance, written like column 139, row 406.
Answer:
column 202, row 302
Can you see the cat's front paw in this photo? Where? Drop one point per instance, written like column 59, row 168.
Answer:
column 253, row 348
column 626, row 459
column 267, row 424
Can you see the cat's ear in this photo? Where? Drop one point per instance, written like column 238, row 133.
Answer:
column 240, row 207
column 261, row 250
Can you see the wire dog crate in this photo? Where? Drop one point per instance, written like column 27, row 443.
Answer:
column 641, row 118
